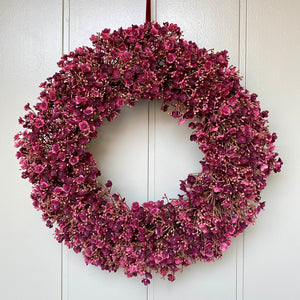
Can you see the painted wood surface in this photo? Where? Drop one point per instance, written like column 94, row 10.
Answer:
column 30, row 260
column 145, row 153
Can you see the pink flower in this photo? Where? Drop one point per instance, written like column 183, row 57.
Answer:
column 223, row 247
column 217, row 189
column 128, row 75
column 61, row 156
column 241, row 139
column 225, row 111
column 44, row 105
column 55, row 148
column 206, row 169
column 80, row 179
column 135, row 206
column 171, row 277
column 85, row 68
column 84, row 126
column 264, row 167
column 171, row 58
column 39, row 123
column 79, row 99
column 278, row 165
column 55, row 204
column 120, row 102
column 209, row 253
column 191, row 179
column 230, row 229
column 52, row 96
column 94, row 92
column 88, row 252
column 154, row 31
column 57, row 190
column 129, row 82
column 89, row 110
column 17, row 136
column 214, row 129
column 145, row 281
column 105, row 32
column 169, row 45
column 135, row 32
column 225, row 203
column 122, row 47
column 39, row 168
column 83, row 217
column 208, row 65
column 116, row 74
column 74, row 160
column 18, row 144
column 232, row 101
column 108, row 183
column 44, row 184
column 145, row 64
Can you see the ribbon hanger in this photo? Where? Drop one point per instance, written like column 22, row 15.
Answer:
column 148, row 10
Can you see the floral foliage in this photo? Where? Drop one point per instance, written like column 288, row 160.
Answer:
column 148, row 62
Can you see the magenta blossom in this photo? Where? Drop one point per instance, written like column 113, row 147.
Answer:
column 169, row 45
column 84, row 126
column 39, row 169
column 170, row 58
column 55, row 204
column 225, row 110
column 120, row 102
column 39, row 122
column 85, row 68
column 74, row 160
column 44, row 105
column 89, row 110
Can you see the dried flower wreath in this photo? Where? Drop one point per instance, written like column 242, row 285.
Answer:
column 146, row 62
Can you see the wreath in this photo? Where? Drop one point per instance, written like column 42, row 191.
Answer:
column 146, row 62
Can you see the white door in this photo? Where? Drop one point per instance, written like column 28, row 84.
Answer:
column 145, row 153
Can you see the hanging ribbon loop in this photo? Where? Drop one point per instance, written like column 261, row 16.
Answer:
column 148, row 10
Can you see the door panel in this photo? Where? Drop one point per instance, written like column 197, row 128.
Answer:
column 30, row 47
column 121, row 151
column 211, row 24
column 272, row 246
column 145, row 152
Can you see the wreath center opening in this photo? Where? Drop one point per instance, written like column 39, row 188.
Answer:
column 144, row 152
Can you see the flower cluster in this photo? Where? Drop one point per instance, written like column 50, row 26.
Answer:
column 146, row 62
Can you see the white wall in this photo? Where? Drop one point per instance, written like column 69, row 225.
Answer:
column 263, row 39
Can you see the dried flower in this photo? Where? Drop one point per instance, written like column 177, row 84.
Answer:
column 170, row 58
column 196, row 85
column 84, row 126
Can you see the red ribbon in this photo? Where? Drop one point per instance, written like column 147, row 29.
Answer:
column 148, row 10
